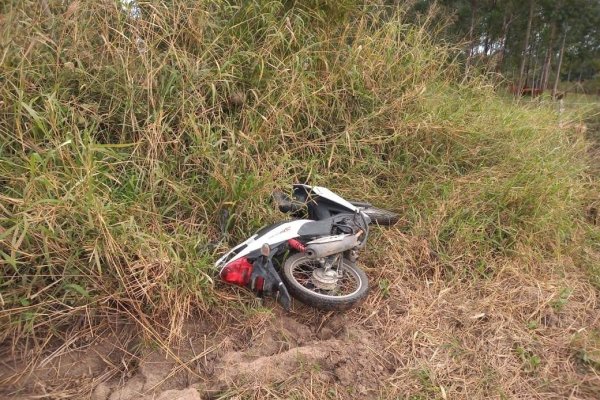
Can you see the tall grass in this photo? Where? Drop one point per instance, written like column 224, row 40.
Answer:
column 122, row 141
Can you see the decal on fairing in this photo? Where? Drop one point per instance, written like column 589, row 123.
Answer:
column 280, row 233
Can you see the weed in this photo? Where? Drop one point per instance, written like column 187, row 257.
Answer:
column 454, row 347
column 586, row 346
column 532, row 325
column 562, row 299
column 530, row 361
column 426, row 380
column 384, row 287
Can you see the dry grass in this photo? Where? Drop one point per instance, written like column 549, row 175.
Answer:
column 530, row 331
column 508, row 336
column 117, row 162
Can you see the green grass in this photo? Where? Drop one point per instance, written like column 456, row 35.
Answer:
column 116, row 163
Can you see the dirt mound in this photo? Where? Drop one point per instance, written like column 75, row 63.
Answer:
column 277, row 349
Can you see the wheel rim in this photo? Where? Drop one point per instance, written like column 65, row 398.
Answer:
column 301, row 272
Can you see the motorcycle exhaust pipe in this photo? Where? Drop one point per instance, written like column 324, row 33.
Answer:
column 326, row 247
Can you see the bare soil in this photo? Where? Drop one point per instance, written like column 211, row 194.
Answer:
column 527, row 332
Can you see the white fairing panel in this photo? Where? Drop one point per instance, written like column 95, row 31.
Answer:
column 278, row 234
column 329, row 195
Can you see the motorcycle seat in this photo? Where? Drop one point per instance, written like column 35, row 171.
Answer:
column 316, row 228
column 323, row 227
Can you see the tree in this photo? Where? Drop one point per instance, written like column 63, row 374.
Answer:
column 471, row 44
column 560, row 59
column 526, row 40
column 525, row 46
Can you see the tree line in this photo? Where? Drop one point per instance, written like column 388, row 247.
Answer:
column 535, row 43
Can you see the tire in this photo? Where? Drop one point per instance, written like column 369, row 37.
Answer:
column 362, row 204
column 324, row 301
column 380, row 216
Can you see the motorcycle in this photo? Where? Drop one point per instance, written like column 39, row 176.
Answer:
column 312, row 257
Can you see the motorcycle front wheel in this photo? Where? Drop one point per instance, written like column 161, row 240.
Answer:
column 305, row 281
column 378, row 216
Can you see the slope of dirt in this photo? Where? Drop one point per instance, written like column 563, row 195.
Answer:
column 522, row 333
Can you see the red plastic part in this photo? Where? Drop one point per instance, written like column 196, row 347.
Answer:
column 259, row 283
column 297, row 245
column 237, row 272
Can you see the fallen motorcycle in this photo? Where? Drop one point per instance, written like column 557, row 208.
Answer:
column 313, row 257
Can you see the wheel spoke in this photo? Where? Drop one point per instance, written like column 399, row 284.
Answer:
column 348, row 283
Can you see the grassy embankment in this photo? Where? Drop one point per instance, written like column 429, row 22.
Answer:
column 116, row 161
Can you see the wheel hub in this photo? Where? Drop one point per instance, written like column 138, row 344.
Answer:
column 325, row 280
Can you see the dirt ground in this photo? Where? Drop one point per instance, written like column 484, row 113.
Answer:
column 525, row 333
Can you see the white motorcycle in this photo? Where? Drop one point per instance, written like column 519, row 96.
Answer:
column 312, row 259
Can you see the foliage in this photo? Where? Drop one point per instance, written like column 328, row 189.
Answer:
column 499, row 32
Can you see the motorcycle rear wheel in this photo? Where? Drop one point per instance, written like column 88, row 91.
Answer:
column 297, row 274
